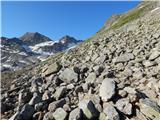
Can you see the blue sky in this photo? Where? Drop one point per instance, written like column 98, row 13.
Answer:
column 56, row 19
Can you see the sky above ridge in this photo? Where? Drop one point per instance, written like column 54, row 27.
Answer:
column 56, row 19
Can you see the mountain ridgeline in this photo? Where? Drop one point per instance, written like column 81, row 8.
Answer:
column 30, row 49
column 114, row 75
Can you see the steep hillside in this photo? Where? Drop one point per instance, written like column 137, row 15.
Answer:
column 115, row 75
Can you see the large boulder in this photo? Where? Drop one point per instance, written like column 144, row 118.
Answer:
column 53, row 68
column 68, row 76
column 107, row 89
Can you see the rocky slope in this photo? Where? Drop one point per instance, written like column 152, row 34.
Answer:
column 115, row 75
column 30, row 49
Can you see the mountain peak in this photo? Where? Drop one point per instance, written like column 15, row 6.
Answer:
column 67, row 39
column 33, row 38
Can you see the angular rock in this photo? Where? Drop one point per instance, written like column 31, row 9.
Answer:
column 88, row 108
column 35, row 99
column 107, row 89
column 150, row 108
column 124, row 58
column 53, row 68
column 130, row 90
column 48, row 116
column 154, row 55
column 91, row 78
column 75, row 114
column 124, row 106
column 46, row 95
column 26, row 113
column 56, row 104
column 68, row 76
column 60, row 92
column 60, row 114
column 111, row 113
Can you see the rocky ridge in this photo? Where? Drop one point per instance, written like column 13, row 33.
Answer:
column 30, row 49
column 114, row 76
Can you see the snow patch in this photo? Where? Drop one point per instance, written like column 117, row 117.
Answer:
column 26, row 48
column 22, row 53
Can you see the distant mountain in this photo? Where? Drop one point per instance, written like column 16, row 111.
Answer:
column 34, row 38
column 30, row 49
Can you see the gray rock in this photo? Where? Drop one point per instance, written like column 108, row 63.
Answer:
column 75, row 114
column 56, row 104
column 53, row 68
column 48, row 116
column 35, row 99
column 78, row 89
column 60, row 114
column 68, row 76
column 88, row 109
column 85, row 87
column 130, row 90
column 124, row 106
column 46, row 95
column 154, row 55
column 16, row 116
column 91, row 78
column 107, row 89
column 122, row 93
column 148, row 63
column 60, row 92
column 124, row 58
column 150, row 108
column 111, row 113
column 26, row 113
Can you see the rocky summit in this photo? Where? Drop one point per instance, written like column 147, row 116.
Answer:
column 114, row 75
